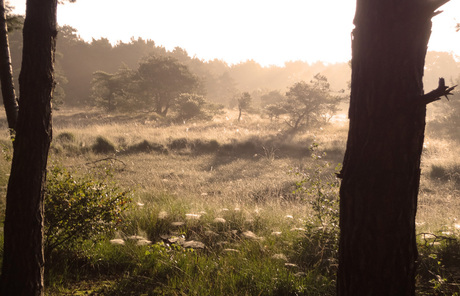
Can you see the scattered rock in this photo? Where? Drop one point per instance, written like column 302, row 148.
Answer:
column 140, row 240
column 192, row 216
column 193, row 244
column 162, row 215
column 117, row 241
column 289, row 217
column 281, row 257
column 231, row 251
column 276, row 233
column 210, row 233
column 177, row 224
column 219, row 220
column 250, row 235
column 143, row 242
column 136, row 237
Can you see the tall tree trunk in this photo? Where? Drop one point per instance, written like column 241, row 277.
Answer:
column 6, row 72
column 23, row 262
column 381, row 172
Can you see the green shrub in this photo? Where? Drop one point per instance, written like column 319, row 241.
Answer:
column 178, row 144
column 203, row 146
column 439, row 258
column 65, row 137
column 445, row 173
column 439, row 173
column 103, row 145
column 79, row 208
column 146, row 147
column 319, row 247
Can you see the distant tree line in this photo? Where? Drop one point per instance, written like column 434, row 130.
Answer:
column 98, row 73
column 77, row 61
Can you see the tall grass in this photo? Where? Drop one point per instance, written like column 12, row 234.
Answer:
column 247, row 191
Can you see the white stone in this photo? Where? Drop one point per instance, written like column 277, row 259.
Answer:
column 162, row 215
column 117, row 241
column 281, row 257
column 250, row 235
column 194, row 245
column 192, row 216
column 143, row 242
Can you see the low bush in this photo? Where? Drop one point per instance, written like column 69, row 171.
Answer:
column 445, row 173
column 202, row 146
column 65, row 137
column 80, row 208
column 103, row 146
column 178, row 144
column 146, row 147
column 318, row 248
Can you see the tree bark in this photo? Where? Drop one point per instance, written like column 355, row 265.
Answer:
column 6, row 72
column 23, row 262
column 381, row 169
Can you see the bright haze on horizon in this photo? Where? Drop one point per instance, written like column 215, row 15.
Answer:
column 268, row 32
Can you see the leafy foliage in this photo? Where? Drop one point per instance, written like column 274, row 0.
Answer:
column 103, row 145
column 310, row 103
column 320, row 245
column 272, row 98
column 274, row 110
column 112, row 91
column 190, row 106
column 244, row 102
column 157, row 84
column 160, row 80
column 80, row 208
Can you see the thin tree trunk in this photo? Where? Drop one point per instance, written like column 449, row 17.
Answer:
column 381, row 172
column 6, row 72
column 23, row 262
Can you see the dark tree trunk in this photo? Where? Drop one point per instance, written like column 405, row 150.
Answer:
column 23, row 263
column 381, row 172
column 6, row 72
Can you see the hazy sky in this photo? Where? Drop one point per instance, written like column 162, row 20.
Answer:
column 267, row 31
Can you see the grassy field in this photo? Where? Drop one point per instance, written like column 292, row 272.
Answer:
column 229, row 208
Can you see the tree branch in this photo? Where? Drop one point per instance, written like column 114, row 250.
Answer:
column 435, row 4
column 436, row 94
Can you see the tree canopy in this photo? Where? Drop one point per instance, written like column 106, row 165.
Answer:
column 309, row 103
column 160, row 80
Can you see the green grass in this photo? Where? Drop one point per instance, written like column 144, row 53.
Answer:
column 232, row 185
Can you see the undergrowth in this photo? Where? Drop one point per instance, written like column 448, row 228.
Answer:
column 221, row 208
